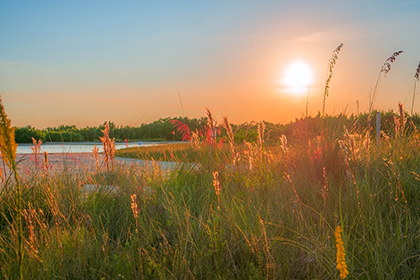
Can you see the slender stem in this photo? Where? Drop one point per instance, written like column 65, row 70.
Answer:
column 307, row 103
column 414, row 95
column 19, row 219
column 372, row 103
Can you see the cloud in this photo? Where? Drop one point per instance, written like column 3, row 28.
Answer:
column 345, row 33
column 323, row 36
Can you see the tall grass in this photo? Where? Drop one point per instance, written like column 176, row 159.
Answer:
column 386, row 67
column 416, row 79
column 320, row 205
column 331, row 64
column 323, row 204
column 8, row 152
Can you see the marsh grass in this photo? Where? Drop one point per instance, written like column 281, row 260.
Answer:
column 262, row 210
column 331, row 64
column 385, row 69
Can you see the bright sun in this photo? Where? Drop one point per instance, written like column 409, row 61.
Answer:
column 298, row 77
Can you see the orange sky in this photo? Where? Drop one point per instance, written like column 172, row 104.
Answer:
column 84, row 63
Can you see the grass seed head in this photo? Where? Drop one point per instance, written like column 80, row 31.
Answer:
column 386, row 67
column 7, row 137
column 417, row 74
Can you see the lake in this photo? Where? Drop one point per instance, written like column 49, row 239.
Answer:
column 78, row 147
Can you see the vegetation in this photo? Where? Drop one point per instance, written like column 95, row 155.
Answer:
column 159, row 130
column 324, row 202
column 318, row 198
column 165, row 130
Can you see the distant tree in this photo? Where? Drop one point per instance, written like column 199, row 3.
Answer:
column 25, row 134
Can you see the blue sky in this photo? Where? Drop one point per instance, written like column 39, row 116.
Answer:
column 84, row 62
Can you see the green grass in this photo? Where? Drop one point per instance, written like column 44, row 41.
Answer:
column 162, row 152
column 274, row 218
column 182, row 152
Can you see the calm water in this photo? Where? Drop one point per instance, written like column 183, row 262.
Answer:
column 83, row 147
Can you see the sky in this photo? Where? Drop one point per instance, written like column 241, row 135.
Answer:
column 85, row 62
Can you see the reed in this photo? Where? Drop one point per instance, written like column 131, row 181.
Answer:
column 231, row 140
column 385, row 69
column 8, row 150
column 331, row 64
column 225, row 222
column 319, row 203
column 109, row 147
column 416, row 79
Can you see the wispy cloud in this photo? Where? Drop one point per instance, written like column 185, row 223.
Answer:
column 344, row 33
column 319, row 37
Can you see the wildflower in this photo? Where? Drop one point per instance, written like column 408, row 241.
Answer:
column 182, row 129
column 341, row 261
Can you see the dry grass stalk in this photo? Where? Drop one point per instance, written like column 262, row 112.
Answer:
column 294, row 190
column 95, row 152
column 36, row 150
column 396, row 126
column 271, row 263
column 3, row 171
column 386, row 67
column 30, row 218
column 195, row 139
column 283, row 142
column 402, row 119
column 349, row 147
column 396, row 176
column 217, row 187
column 156, row 168
column 135, row 208
column 8, row 150
column 366, row 144
column 211, row 122
column 211, row 131
column 260, row 139
column 331, row 65
column 324, row 190
column 109, row 147
column 45, row 162
column 248, row 154
column 351, row 152
column 231, row 139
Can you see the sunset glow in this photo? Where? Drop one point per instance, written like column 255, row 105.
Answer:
column 298, row 75
column 298, row 78
column 84, row 62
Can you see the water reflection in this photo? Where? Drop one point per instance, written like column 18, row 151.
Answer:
column 73, row 148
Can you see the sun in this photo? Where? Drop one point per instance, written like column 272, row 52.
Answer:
column 298, row 77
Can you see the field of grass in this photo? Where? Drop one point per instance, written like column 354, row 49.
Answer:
column 164, row 152
column 263, row 210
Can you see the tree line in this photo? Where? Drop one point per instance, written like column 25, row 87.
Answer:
column 163, row 130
